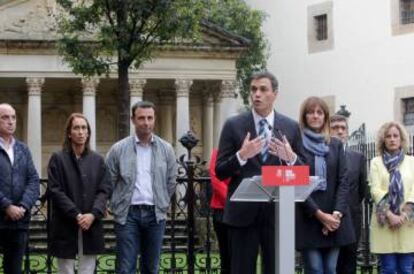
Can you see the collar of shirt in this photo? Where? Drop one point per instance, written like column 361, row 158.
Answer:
column 256, row 117
column 3, row 143
column 137, row 141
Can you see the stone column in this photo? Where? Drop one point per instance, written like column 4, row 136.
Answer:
column 228, row 104
column 208, row 124
column 136, row 90
column 217, row 101
column 89, row 106
column 34, row 120
column 225, row 106
column 166, row 102
column 183, row 112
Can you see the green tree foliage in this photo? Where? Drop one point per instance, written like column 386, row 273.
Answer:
column 99, row 35
column 238, row 18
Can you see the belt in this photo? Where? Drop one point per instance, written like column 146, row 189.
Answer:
column 146, row 207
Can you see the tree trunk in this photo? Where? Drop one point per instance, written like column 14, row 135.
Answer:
column 123, row 100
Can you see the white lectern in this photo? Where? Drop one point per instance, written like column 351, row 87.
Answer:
column 284, row 197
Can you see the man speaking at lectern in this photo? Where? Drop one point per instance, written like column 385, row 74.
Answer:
column 248, row 141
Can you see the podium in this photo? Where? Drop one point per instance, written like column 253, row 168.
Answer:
column 284, row 197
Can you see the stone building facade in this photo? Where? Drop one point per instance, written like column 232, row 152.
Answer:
column 194, row 86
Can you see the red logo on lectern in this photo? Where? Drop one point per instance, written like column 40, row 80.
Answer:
column 285, row 175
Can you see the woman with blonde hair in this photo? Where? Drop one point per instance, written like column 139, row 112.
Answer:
column 323, row 221
column 392, row 189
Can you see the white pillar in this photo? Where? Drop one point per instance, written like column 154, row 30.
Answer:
column 224, row 107
column 34, row 120
column 89, row 106
column 217, row 118
column 208, row 123
column 136, row 90
column 166, row 120
column 183, row 112
column 228, row 101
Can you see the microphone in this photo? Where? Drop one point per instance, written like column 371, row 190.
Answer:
column 274, row 131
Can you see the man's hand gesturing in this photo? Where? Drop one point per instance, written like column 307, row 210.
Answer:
column 251, row 148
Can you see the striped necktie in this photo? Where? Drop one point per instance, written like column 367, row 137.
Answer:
column 263, row 125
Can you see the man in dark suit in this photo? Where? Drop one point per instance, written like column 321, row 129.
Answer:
column 357, row 177
column 248, row 142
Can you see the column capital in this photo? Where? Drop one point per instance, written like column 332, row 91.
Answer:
column 136, row 86
column 208, row 97
column 89, row 86
column 227, row 88
column 182, row 87
column 34, row 85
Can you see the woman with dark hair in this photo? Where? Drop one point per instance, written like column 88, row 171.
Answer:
column 79, row 188
column 392, row 189
column 323, row 223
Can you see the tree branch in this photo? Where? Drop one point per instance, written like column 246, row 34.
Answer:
column 110, row 19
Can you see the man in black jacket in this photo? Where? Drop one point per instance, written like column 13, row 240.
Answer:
column 246, row 144
column 19, row 190
column 357, row 179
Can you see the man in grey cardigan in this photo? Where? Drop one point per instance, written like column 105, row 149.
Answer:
column 143, row 173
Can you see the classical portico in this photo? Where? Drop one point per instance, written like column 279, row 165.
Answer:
column 193, row 87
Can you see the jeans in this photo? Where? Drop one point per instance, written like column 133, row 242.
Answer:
column 320, row 260
column 13, row 242
column 141, row 234
column 396, row 263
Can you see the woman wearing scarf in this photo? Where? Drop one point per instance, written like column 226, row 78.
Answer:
column 392, row 189
column 323, row 223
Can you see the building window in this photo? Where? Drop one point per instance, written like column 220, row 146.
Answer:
column 402, row 16
column 408, row 118
column 321, row 27
column 407, row 11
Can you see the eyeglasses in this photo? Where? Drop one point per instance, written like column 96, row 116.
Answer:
column 336, row 127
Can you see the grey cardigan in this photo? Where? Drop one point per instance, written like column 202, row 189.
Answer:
column 121, row 162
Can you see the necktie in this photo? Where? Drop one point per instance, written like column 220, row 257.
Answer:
column 264, row 134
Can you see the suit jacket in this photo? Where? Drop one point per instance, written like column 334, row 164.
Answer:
column 357, row 178
column 335, row 197
column 232, row 136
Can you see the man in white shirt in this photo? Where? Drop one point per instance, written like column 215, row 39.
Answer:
column 248, row 141
column 143, row 171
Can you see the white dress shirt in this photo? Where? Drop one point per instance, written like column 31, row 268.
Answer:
column 9, row 149
column 143, row 193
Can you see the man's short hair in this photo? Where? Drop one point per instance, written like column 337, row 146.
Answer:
column 142, row 104
column 265, row 74
column 338, row 118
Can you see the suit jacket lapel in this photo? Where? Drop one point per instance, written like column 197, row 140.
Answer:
column 251, row 127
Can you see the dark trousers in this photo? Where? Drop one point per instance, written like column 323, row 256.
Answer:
column 347, row 260
column 13, row 243
column 222, row 234
column 245, row 243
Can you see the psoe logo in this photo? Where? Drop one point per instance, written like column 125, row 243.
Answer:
column 289, row 175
